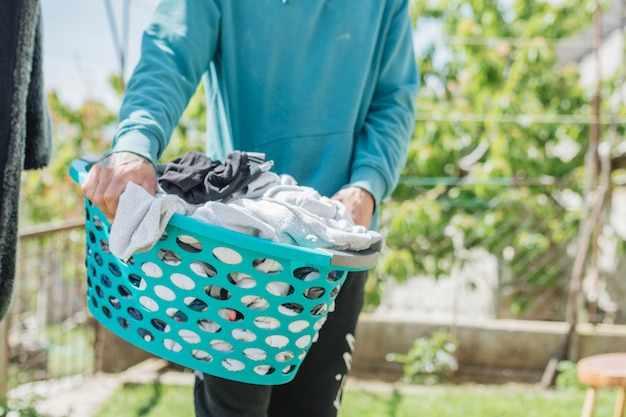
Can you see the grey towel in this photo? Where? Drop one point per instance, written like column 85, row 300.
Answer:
column 24, row 122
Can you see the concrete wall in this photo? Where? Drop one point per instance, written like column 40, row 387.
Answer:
column 489, row 351
column 493, row 351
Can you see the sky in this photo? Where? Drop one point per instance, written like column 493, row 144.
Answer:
column 79, row 52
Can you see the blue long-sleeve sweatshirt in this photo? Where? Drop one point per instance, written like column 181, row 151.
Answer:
column 326, row 88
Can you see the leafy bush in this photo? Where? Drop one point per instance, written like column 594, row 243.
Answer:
column 430, row 359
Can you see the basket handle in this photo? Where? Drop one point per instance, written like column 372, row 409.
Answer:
column 79, row 168
column 358, row 260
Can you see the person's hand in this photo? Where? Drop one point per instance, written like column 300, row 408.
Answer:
column 360, row 204
column 107, row 179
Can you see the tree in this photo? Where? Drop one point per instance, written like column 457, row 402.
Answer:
column 50, row 194
column 497, row 159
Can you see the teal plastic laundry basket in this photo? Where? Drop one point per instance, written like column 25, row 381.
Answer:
column 213, row 300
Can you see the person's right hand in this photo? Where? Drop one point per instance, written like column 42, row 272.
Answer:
column 107, row 179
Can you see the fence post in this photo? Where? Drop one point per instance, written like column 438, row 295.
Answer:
column 4, row 361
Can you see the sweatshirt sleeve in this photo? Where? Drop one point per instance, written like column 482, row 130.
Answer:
column 382, row 145
column 177, row 47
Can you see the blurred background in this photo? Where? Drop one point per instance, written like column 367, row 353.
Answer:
column 510, row 216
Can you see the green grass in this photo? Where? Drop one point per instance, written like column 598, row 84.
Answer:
column 449, row 401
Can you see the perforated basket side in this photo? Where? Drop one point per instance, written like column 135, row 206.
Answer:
column 216, row 301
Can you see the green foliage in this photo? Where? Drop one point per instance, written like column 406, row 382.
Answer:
column 486, row 162
column 50, row 194
column 430, row 359
column 567, row 377
column 24, row 407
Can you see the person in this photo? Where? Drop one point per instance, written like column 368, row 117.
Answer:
column 25, row 141
column 326, row 89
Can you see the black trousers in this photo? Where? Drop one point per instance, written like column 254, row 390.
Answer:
column 317, row 388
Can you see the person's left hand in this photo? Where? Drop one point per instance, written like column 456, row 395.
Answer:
column 360, row 204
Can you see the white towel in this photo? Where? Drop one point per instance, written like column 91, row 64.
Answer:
column 294, row 215
column 140, row 220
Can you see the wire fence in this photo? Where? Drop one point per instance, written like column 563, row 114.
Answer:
column 50, row 335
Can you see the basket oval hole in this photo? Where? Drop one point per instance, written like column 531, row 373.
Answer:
column 277, row 341
column 106, row 281
column 169, row 257
column 241, row 280
column 233, row 365
column 177, row 315
column 217, row 292
column 160, row 325
column 203, row 269
column 151, row 270
column 255, row 354
column 267, row 266
column 189, row 244
column 125, row 292
column 264, row 370
column 314, row 293
column 209, row 326
column 227, row 255
column 303, row 342
column 104, row 247
column 254, row 302
column 298, row 326
column 319, row 310
column 334, row 276
column 230, row 314
column 124, row 323
column 99, row 291
column 201, row 355
column 291, row 309
column 94, row 302
column 221, row 346
column 135, row 314
column 148, row 303
column 189, row 336
column 306, row 273
column 196, row 304
column 243, row 335
column 268, row 323
column 164, row 293
column 182, row 281
column 137, row 282
column 284, row 356
column 289, row 369
column 98, row 258
column 335, row 291
column 115, row 269
column 97, row 222
column 318, row 325
column 169, row 344
column 92, row 236
column 280, row 289
column 115, row 302
column 146, row 335
column 106, row 312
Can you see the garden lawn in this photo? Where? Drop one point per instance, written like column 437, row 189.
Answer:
column 440, row 401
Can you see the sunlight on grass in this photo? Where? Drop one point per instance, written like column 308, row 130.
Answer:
column 450, row 401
